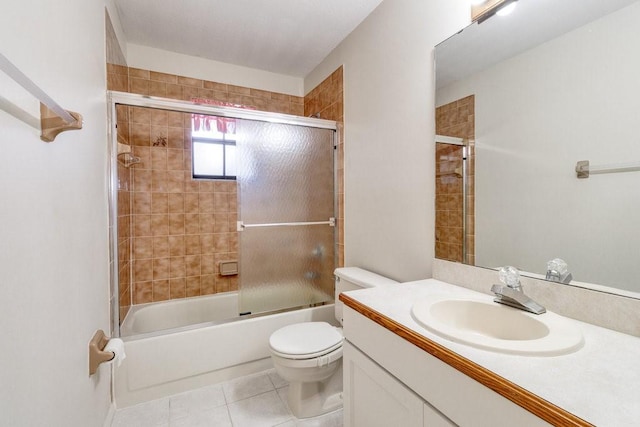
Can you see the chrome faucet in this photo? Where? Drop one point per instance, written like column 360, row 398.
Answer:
column 510, row 292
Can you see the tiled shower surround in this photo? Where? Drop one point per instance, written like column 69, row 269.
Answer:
column 182, row 227
column 178, row 228
column 455, row 119
column 145, row 82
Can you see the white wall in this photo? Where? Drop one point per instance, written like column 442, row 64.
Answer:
column 537, row 114
column 53, row 220
column 389, row 133
column 164, row 61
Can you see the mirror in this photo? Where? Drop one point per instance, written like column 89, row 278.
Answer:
column 554, row 83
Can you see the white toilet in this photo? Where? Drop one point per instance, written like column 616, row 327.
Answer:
column 309, row 355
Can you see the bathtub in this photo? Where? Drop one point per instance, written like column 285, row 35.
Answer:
column 157, row 316
column 179, row 313
column 177, row 360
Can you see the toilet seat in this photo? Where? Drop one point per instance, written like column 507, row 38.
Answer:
column 315, row 362
column 307, row 340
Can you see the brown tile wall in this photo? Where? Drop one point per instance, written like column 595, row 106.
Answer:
column 117, row 77
column 327, row 100
column 180, row 227
column 145, row 82
column 455, row 119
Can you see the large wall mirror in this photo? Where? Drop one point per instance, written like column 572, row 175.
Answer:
column 529, row 95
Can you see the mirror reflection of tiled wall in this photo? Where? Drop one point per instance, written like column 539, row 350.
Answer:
column 455, row 119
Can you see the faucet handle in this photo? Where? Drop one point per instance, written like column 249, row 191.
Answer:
column 558, row 265
column 510, row 276
column 558, row 271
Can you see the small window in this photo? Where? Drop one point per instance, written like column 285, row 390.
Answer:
column 213, row 153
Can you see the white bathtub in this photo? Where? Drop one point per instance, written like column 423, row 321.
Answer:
column 157, row 316
column 165, row 364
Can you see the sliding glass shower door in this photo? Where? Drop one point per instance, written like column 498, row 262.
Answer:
column 286, row 211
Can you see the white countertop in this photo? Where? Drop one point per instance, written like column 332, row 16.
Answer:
column 599, row 383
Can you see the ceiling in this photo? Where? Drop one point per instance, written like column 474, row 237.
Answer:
column 288, row 37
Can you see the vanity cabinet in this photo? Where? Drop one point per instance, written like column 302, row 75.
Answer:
column 374, row 398
column 389, row 381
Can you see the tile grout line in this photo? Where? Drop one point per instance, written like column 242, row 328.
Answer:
column 291, row 418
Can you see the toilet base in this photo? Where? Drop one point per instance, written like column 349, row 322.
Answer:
column 311, row 399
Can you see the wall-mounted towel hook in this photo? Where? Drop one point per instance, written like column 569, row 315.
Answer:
column 97, row 355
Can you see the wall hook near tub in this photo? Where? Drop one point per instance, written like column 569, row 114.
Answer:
column 53, row 118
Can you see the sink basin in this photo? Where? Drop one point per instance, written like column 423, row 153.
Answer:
column 491, row 326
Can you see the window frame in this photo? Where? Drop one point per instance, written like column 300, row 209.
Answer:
column 224, row 142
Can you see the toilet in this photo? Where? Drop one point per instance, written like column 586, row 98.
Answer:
column 309, row 355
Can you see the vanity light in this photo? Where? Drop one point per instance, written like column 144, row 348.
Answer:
column 484, row 10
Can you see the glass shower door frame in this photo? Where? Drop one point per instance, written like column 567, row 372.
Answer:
column 286, row 205
column 135, row 100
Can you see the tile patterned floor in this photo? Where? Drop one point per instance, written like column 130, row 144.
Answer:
column 258, row 400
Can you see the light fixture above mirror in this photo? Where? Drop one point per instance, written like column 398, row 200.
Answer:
column 481, row 10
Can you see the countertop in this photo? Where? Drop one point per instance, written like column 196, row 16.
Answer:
column 599, row 383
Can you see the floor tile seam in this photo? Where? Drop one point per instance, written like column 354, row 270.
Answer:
column 285, row 401
column 283, row 383
column 229, row 415
column 289, row 414
column 255, row 395
column 224, row 395
column 227, row 398
column 270, row 379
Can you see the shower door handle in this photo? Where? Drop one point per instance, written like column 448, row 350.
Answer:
column 241, row 225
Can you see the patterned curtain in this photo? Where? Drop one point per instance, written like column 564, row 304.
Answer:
column 222, row 124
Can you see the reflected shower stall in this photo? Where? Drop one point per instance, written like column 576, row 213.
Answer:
column 218, row 213
column 452, row 198
column 455, row 181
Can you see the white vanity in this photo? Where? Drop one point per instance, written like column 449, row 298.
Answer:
column 398, row 372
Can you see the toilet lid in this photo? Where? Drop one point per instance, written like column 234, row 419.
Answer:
column 308, row 338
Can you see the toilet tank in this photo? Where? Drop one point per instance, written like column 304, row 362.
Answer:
column 352, row 278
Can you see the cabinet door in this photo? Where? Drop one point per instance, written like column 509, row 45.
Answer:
column 374, row 398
